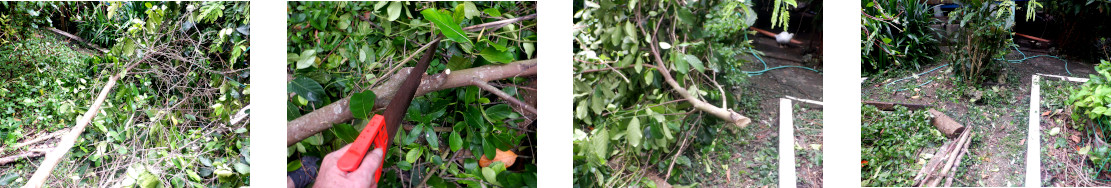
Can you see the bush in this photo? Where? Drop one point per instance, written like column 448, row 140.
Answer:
column 897, row 34
column 1093, row 101
column 985, row 34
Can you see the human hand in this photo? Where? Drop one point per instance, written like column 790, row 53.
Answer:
column 332, row 176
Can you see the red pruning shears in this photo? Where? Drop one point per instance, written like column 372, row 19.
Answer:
column 378, row 130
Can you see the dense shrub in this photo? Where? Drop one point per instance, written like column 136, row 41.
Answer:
column 890, row 141
column 984, row 34
column 1093, row 100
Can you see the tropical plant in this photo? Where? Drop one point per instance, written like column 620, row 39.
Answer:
column 897, row 34
column 351, row 54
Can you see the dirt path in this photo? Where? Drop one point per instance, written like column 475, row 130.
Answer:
column 996, row 112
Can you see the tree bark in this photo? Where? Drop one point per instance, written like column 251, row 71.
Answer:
column 339, row 111
column 66, row 143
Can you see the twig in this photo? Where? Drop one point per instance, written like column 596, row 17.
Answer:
column 503, row 95
column 41, row 138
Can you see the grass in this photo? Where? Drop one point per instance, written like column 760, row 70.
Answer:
column 808, row 152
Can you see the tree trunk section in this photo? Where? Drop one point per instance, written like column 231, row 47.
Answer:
column 946, row 125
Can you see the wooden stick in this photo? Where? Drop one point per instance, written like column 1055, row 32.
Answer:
column 503, row 95
column 949, row 179
column 933, row 163
column 889, row 106
column 66, row 143
column 770, row 34
column 28, row 154
column 945, row 124
column 953, row 158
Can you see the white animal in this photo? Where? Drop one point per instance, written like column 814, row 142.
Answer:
column 784, row 37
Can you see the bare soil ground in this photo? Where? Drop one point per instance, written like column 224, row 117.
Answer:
column 755, row 160
column 996, row 111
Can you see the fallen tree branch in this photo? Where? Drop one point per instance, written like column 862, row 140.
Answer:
column 71, row 36
column 722, row 113
column 66, row 143
column 485, row 86
column 339, row 111
column 41, row 138
column 28, row 154
column 499, row 23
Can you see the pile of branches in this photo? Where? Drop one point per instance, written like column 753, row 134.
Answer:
column 944, row 163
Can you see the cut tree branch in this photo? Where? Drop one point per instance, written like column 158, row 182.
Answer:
column 339, row 111
column 722, row 113
column 66, row 143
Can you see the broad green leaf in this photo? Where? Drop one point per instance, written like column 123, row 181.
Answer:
column 380, row 4
column 500, row 45
column 630, row 29
column 413, row 155
column 394, row 11
column 493, row 55
column 680, row 63
column 242, row 168
column 362, row 103
column 344, row 21
column 498, row 112
column 473, row 117
column 308, row 57
column 307, row 88
column 346, row 132
column 665, row 45
column 488, row 148
column 601, row 140
column 492, row 12
column 432, row 138
column 530, row 48
column 694, row 62
column 447, row 26
column 469, row 10
column 455, row 141
column 489, row 174
column 633, row 132
column 458, row 62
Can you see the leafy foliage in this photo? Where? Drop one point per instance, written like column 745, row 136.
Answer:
column 984, row 36
column 342, row 49
column 626, row 117
column 897, row 34
column 889, row 143
column 1093, row 100
column 189, row 112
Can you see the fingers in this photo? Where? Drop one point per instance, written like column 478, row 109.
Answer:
column 331, row 158
column 370, row 163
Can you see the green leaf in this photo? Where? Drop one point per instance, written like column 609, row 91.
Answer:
column 447, row 26
column 498, row 112
column 500, row 45
column 492, row 12
column 308, row 57
column 432, row 138
column 362, row 103
column 493, row 55
column 242, row 168
column 394, row 11
column 458, row 62
column 680, row 63
column 694, row 62
column 307, row 88
column 346, row 132
column 469, row 10
column 413, row 155
column 455, row 142
column 489, row 174
column 633, row 132
column 530, row 48
column 488, row 148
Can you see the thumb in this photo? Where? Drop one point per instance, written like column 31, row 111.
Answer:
column 370, row 163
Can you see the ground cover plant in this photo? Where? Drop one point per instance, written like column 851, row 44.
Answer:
column 655, row 94
column 890, row 141
column 471, row 123
column 1074, row 152
column 166, row 106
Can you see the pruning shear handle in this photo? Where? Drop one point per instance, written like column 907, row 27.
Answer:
column 375, row 132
